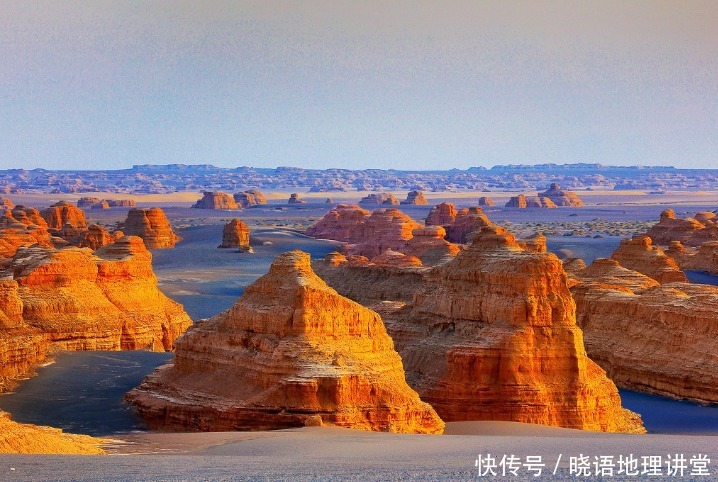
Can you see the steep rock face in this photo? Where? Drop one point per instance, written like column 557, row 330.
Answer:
column 63, row 213
column 647, row 336
column 96, row 237
column 380, row 199
column 560, row 197
column 443, row 214
column 152, row 226
column 397, row 259
column 18, row 228
column 492, row 336
column 88, row 201
column 385, row 229
column 639, row 254
column 20, row 438
column 703, row 258
column 339, row 223
column 22, row 348
column 101, row 205
column 26, row 215
column 235, row 234
column 416, row 198
column 523, row 202
column 252, row 197
column 109, row 301
column 536, row 243
column 216, row 200
column 459, row 224
column 290, row 352
column 428, row 244
column 689, row 231
column 485, row 201
column 295, row 199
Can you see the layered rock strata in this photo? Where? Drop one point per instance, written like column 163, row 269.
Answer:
column 235, row 234
column 63, row 214
column 415, row 198
column 459, row 224
column 524, row 202
column 703, row 258
column 216, row 200
column 247, row 199
column 152, row 226
column 384, row 229
column 561, row 197
column 689, row 231
column 339, row 224
column 291, row 352
column 379, row 199
column 639, row 254
column 492, row 335
column 651, row 337
column 428, row 244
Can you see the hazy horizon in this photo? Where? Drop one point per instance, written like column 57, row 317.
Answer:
column 406, row 85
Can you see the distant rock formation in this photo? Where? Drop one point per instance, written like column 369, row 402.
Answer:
column 384, row 229
column 20, row 438
column 561, row 197
column 235, row 235
column 152, row 226
column 638, row 254
column 397, row 259
column 216, row 200
column 379, row 199
column 485, row 201
column 291, row 352
column 689, row 231
column 459, row 224
column 295, row 199
column 329, row 201
column 523, row 202
column 62, row 214
column 339, row 224
column 105, row 301
column 416, row 198
column 101, row 205
column 492, row 335
column 88, row 201
column 252, row 197
column 651, row 337
column 121, row 203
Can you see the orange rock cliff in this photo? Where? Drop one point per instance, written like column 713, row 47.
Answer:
column 152, row 226
column 235, row 234
column 291, row 352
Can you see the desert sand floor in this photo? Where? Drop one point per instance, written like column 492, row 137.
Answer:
column 325, row 453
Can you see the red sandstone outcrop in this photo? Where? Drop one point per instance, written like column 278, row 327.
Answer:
column 416, row 198
column 459, row 225
column 380, row 199
column 428, row 244
column 339, row 224
column 20, row 438
column 106, row 301
column 18, row 228
column 215, row 200
column 638, row 254
column 96, row 237
column 522, row 201
column 63, row 213
column 235, row 234
column 689, row 231
column 703, row 258
column 291, row 352
column 492, row 336
column 295, row 199
column 485, row 201
column 152, row 226
column 252, row 197
column 88, row 201
column 384, row 229
column 561, row 197
column 28, row 216
column 536, row 243
column 101, row 205
column 652, row 337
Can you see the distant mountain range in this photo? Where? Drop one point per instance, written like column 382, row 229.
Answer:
column 202, row 177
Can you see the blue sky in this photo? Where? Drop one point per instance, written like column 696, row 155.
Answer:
column 415, row 84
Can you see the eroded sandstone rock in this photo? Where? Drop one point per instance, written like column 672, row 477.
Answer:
column 689, row 231
column 379, row 199
column 235, row 234
column 291, row 352
column 152, row 226
column 63, row 213
column 485, row 201
column 339, row 224
column 561, row 197
column 294, row 198
column 252, row 197
column 415, row 198
column 523, row 202
column 639, row 254
column 216, row 200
